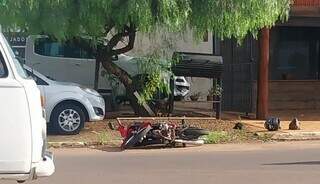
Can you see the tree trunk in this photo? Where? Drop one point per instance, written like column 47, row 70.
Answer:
column 128, row 83
column 105, row 54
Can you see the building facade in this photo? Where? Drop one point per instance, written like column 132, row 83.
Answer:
column 281, row 70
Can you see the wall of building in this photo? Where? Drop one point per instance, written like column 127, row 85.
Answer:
column 149, row 43
column 306, row 3
column 146, row 44
column 294, row 56
column 294, row 95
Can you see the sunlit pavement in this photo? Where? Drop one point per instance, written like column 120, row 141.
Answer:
column 293, row 162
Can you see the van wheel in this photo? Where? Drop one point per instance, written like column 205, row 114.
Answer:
column 67, row 119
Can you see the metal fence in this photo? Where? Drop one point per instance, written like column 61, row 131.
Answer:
column 238, row 88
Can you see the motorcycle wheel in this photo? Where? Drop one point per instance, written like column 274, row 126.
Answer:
column 136, row 138
column 195, row 132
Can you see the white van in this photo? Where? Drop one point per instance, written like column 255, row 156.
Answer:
column 66, row 62
column 23, row 154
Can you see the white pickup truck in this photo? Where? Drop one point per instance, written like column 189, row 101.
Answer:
column 23, row 154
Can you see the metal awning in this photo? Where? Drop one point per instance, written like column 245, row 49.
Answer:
column 198, row 65
column 203, row 66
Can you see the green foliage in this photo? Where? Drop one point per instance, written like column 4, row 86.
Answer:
column 114, row 83
column 217, row 137
column 264, row 137
column 233, row 136
column 158, row 73
column 69, row 18
column 235, row 18
column 103, row 137
column 216, row 91
column 95, row 18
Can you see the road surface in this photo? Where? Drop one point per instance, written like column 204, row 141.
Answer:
column 293, row 162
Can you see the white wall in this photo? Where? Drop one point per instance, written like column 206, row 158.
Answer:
column 148, row 43
column 181, row 43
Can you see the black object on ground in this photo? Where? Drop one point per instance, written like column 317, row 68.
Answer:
column 272, row 124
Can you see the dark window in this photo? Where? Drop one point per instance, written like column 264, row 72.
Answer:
column 179, row 80
column 80, row 49
column 3, row 68
column 295, row 53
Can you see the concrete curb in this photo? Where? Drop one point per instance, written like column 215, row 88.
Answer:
column 276, row 136
column 73, row 144
column 291, row 136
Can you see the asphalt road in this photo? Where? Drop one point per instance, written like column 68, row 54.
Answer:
column 293, row 162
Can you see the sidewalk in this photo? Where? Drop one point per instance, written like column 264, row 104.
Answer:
column 96, row 134
column 310, row 130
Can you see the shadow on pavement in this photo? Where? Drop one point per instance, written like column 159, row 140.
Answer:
column 109, row 148
column 150, row 147
column 295, row 163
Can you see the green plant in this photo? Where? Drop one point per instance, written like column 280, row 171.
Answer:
column 240, row 136
column 112, row 25
column 103, row 137
column 215, row 91
column 195, row 96
column 157, row 72
column 265, row 137
column 217, row 137
column 233, row 136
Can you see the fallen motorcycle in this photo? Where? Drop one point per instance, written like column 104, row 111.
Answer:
column 150, row 132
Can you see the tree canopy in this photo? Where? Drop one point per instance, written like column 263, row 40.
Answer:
column 68, row 18
column 114, row 20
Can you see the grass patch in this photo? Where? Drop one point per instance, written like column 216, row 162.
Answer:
column 264, row 137
column 103, row 137
column 234, row 136
column 217, row 137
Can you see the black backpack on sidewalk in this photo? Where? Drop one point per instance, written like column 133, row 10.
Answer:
column 272, row 124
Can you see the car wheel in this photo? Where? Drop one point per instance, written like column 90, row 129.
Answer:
column 67, row 119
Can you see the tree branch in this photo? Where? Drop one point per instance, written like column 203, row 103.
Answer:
column 116, row 39
column 106, row 53
column 108, row 27
column 128, row 31
column 122, row 75
column 127, row 48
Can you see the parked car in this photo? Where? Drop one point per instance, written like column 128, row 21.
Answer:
column 68, row 105
column 181, row 87
column 23, row 152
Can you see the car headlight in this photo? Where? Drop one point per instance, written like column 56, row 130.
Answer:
column 90, row 91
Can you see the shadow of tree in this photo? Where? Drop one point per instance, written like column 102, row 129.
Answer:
column 294, row 163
